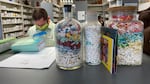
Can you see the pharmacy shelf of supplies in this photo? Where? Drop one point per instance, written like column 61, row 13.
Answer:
column 56, row 5
column 55, row 20
column 12, row 23
column 28, row 6
column 100, row 5
column 11, row 10
column 13, row 31
column 11, row 17
column 56, row 10
column 95, row 5
column 56, row 16
column 27, row 12
column 99, row 10
column 15, row 34
column 143, row 6
column 26, row 30
column 27, row 18
column 19, row 35
column 10, row 2
column 28, row 24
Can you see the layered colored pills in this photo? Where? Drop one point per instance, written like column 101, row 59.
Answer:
column 68, row 44
column 130, row 39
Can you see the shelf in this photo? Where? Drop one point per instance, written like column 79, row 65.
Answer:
column 99, row 10
column 26, row 30
column 105, row 10
column 10, row 2
column 100, row 5
column 27, row 18
column 20, row 35
column 10, row 17
column 28, row 6
column 106, row 3
column 13, row 31
column 94, row 5
column 143, row 6
column 12, row 24
column 56, row 5
column 11, row 10
column 56, row 10
column 27, row 24
column 55, row 20
column 28, row 12
column 55, row 15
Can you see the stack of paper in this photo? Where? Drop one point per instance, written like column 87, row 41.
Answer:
column 37, row 60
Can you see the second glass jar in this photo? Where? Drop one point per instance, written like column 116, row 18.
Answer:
column 91, row 39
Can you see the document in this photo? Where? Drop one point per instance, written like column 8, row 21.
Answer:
column 33, row 60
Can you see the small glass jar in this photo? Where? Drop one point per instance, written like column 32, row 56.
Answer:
column 130, row 34
column 68, row 35
column 91, row 37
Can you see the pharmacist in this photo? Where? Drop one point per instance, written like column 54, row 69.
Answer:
column 100, row 19
column 42, row 22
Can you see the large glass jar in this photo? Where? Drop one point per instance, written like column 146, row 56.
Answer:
column 68, row 35
column 91, row 37
column 130, row 34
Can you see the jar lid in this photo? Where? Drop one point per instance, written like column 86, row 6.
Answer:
column 122, row 8
column 67, row 8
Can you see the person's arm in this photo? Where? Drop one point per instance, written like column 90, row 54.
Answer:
column 53, row 31
column 52, row 27
column 31, row 31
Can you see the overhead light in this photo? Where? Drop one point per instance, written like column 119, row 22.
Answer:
column 109, row 0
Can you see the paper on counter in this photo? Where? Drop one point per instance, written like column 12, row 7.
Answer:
column 36, row 60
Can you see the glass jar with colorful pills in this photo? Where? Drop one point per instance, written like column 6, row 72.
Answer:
column 130, row 34
column 68, row 35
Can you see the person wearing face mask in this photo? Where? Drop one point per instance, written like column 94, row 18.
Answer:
column 42, row 23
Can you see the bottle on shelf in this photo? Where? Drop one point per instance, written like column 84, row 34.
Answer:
column 68, row 35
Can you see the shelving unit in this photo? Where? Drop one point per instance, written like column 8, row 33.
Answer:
column 11, row 19
column 14, row 17
column 53, row 10
column 27, row 17
column 57, row 16
column 100, row 9
column 143, row 5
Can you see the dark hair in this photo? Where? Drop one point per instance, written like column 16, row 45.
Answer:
column 39, row 13
column 145, row 17
column 99, row 17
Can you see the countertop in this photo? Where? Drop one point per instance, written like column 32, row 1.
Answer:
column 85, row 75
